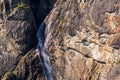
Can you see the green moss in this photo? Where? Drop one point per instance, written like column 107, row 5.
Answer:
column 22, row 6
column 24, row 58
column 62, row 21
column 21, row 66
column 7, row 74
column 61, row 30
column 117, row 61
column 19, row 72
column 16, row 73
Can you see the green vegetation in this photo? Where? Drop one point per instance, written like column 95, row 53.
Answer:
column 62, row 21
column 61, row 30
column 22, row 6
column 8, row 76
column 17, row 72
column 117, row 61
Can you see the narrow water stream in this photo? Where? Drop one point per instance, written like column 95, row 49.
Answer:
column 44, row 58
column 41, row 9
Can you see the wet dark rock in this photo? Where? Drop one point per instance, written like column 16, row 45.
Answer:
column 18, row 37
column 40, row 9
column 116, row 42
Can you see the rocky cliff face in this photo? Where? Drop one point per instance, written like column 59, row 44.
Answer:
column 18, row 25
column 82, row 38
column 16, row 31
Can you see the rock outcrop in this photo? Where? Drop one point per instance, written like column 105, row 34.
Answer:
column 18, row 26
column 17, row 32
column 82, row 38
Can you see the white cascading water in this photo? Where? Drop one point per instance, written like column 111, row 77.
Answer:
column 44, row 58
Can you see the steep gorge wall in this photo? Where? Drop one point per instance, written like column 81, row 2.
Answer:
column 16, row 31
column 82, row 39
column 18, row 58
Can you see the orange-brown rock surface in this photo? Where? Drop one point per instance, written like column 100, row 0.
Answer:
column 83, row 39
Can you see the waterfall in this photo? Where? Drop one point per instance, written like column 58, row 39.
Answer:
column 44, row 58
